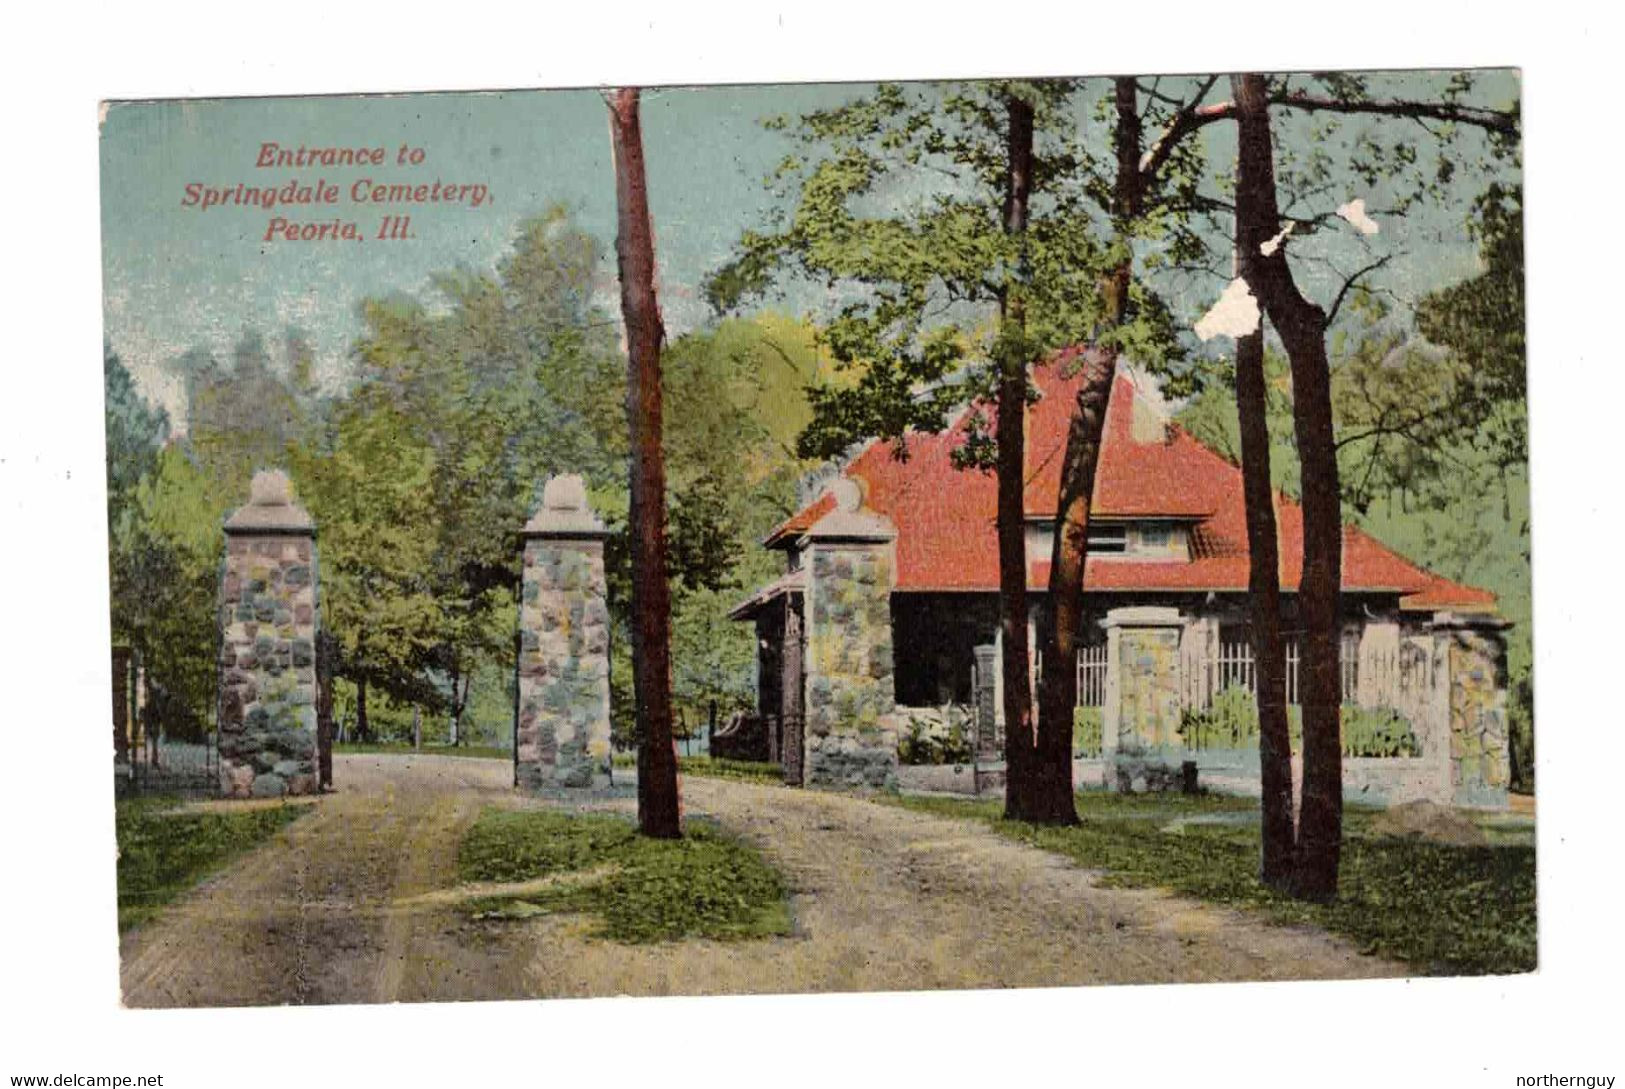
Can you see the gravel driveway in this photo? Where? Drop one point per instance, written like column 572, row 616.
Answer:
column 336, row 909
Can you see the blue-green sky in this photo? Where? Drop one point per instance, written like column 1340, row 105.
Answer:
column 176, row 277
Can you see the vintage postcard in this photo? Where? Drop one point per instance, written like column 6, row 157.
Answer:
column 809, row 538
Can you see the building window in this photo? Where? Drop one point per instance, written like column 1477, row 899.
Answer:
column 1107, row 538
column 1155, row 537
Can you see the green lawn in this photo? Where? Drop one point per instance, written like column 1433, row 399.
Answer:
column 707, row 884
column 751, row 771
column 1443, row 909
column 478, row 752
column 162, row 853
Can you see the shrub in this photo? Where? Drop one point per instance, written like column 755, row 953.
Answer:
column 1088, row 724
column 936, row 737
column 1229, row 722
column 1377, row 731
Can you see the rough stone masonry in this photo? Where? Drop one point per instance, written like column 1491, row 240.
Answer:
column 563, row 730
column 269, row 615
column 851, row 698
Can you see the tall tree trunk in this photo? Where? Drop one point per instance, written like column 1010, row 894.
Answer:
column 1012, row 359
column 1302, row 327
column 1264, row 598
column 1070, row 549
column 658, row 804
column 417, row 727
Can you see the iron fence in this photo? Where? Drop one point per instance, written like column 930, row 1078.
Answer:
column 159, row 765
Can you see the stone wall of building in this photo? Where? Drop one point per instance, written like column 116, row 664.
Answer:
column 269, row 616
column 563, row 732
column 851, row 737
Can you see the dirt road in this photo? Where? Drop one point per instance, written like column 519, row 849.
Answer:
column 337, row 909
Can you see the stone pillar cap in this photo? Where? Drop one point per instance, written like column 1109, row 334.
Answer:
column 1143, row 616
column 270, row 508
column 565, row 512
column 851, row 520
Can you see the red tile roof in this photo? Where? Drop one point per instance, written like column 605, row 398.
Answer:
column 1148, row 468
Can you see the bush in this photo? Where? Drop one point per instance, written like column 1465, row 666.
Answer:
column 1088, row 725
column 1377, row 731
column 936, row 737
column 1231, row 722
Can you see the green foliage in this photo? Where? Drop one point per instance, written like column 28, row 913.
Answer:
column 1430, row 439
column 1377, row 731
column 1481, row 321
column 707, row 885
column 422, row 468
column 1445, row 910
column 404, row 748
column 1088, row 728
column 459, row 413
column 162, row 853
column 942, row 737
column 165, row 555
column 750, row 771
column 1230, row 721
column 371, row 497
column 136, row 431
column 922, row 280
column 713, row 767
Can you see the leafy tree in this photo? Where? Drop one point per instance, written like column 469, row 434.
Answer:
column 165, row 571
column 370, row 494
column 136, row 431
column 512, row 380
column 946, row 295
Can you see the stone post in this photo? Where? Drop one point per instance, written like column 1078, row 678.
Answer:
column 851, row 558
column 1140, row 738
column 269, row 616
column 989, row 743
column 563, row 729
column 1472, row 652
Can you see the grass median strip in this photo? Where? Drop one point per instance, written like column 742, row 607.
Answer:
column 708, row 884
column 385, row 748
column 162, row 851
column 1444, row 909
column 712, row 767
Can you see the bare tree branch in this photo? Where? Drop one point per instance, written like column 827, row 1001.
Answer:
column 1331, row 315
column 1191, row 116
column 1502, row 121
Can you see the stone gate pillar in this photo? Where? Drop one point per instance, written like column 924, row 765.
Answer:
column 984, row 696
column 269, row 615
column 851, row 558
column 1140, row 721
column 562, row 734
column 1471, row 688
